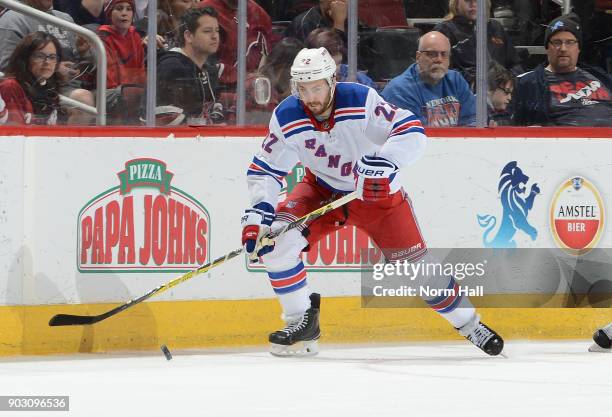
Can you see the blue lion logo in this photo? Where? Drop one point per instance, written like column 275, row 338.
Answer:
column 557, row 25
column 515, row 208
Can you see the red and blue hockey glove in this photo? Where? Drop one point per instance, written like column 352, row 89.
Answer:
column 256, row 224
column 374, row 176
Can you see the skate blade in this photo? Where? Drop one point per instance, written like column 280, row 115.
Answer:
column 596, row 348
column 299, row 349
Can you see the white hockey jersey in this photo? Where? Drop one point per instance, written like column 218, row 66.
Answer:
column 361, row 123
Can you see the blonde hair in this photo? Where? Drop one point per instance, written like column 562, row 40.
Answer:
column 453, row 10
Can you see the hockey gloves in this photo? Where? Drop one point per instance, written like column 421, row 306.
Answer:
column 256, row 224
column 374, row 176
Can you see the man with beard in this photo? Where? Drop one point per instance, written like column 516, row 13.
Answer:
column 563, row 93
column 438, row 96
column 348, row 139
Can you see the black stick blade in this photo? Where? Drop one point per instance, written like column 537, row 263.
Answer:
column 70, row 320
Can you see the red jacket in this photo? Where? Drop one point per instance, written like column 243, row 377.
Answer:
column 259, row 35
column 19, row 106
column 125, row 56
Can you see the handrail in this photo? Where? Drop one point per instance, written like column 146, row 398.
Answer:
column 151, row 97
column 74, row 103
column 86, row 33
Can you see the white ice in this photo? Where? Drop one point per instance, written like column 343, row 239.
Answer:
column 556, row 379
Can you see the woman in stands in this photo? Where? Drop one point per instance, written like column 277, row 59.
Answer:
column 169, row 14
column 30, row 88
column 270, row 85
column 331, row 40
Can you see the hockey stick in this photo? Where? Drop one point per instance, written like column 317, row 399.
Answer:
column 70, row 320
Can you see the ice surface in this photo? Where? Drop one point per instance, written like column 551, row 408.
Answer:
column 418, row 379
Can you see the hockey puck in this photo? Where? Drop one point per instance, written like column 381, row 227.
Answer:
column 166, row 351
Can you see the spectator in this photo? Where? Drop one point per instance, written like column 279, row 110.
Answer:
column 83, row 12
column 125, row 77
column 439, row 97
column 499, row 94
column 259, row 31
column 30, row 89
column 563, row 94
column 15, row 26
column 169, row 14
column 330, row 40
column 270, row 85
column 330, row 14
column 460, row 29
column 186, row 80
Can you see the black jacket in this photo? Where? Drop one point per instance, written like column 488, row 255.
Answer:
column 461, row 33
column 531, row 98
column 182, row 84
column 311, row 19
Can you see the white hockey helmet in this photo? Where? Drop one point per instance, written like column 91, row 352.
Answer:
column 312, row 65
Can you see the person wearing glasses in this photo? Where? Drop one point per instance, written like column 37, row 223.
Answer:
column 30, row 89
column 561, row 93
column 15, row 26
column 439, row 97
column 499, row 95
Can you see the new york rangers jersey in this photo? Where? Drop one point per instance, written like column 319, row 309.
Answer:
column 361, row 123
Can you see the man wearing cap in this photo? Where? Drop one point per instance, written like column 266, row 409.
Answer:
column 561, row 93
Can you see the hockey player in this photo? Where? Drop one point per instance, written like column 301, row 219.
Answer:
column 603, row 340
column 348, row 138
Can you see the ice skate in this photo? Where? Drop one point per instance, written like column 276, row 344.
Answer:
column 482, row 336
column 300, row 336
column 603, row 340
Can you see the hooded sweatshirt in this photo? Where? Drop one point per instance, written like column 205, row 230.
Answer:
column 125, row 56
column 181, row 83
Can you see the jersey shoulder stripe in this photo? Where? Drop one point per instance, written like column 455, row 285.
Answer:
column 410, row 124
column 296, row 126
column 259, row 167
column 349, row 113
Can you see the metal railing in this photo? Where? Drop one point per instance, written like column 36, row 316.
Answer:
column 86, row 33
